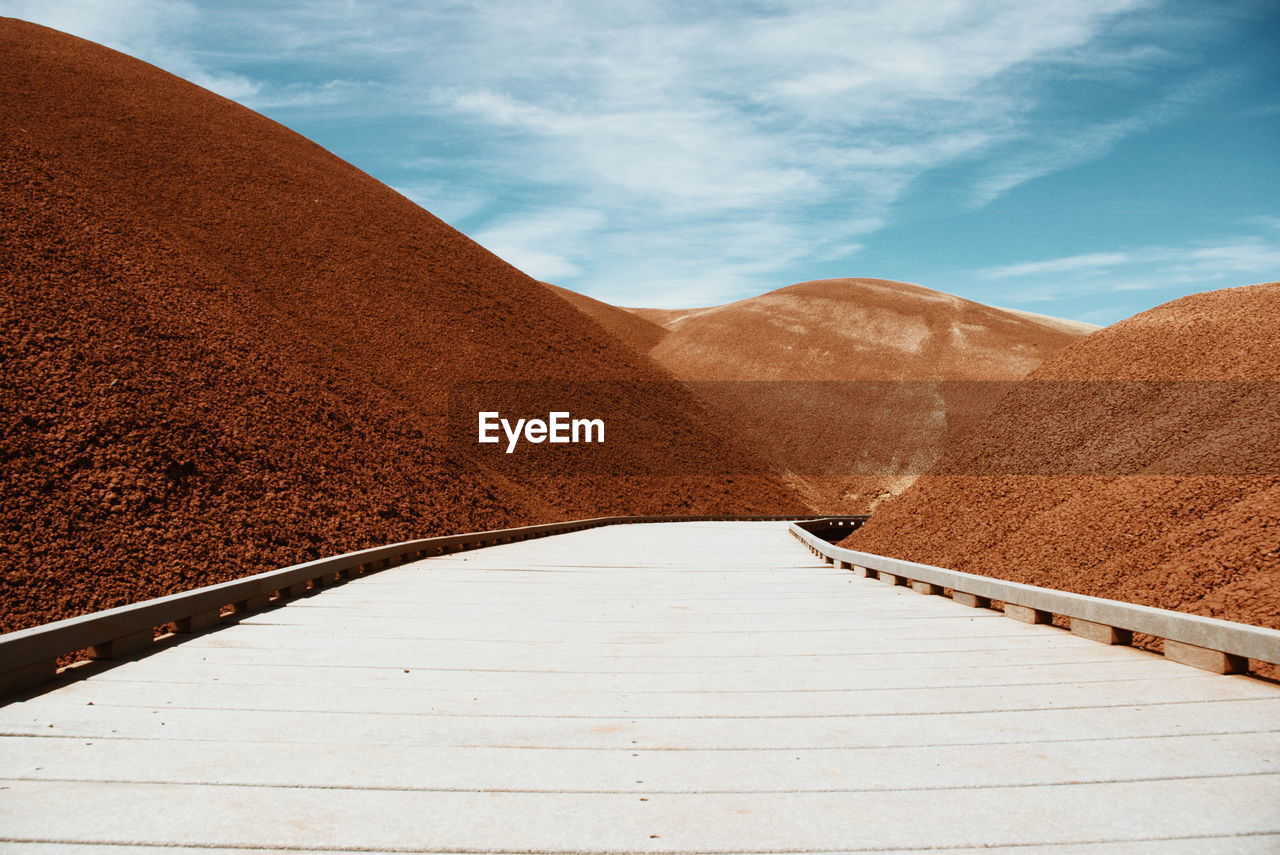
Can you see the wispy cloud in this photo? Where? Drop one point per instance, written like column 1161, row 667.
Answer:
column 543, row 243
column 1227, row 261
column 1054, row 144
column 1090, row 261
column 155, row 30
column 653, row 152
column 797, row 123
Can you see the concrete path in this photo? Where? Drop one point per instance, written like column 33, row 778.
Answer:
column 680, row 687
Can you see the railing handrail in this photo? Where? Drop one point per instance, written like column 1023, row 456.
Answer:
column 1228, row 637
column 28, row 656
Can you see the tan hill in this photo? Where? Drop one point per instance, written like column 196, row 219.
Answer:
column 858, row 329
column 851, row 386
column 227, row 350
column 1141, row 463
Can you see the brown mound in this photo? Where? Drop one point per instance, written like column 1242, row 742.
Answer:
column 816, row 376
column 1169, row 531
column 227, row 350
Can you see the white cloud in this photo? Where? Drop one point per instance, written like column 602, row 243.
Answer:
column 1249, row 255
column 1093, row 260
column 541, row 243
column 1049, row 147
column 452, row 204
column 816, row 99
column 1225, row 262
column 152, row 30
column 652, row 151
column 311, row 96
column 237, row 87
column 813, row 117
column 134, row 26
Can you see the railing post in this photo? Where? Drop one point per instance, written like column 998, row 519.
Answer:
column 1026, row 614
column 12, row 682
column 118, row 648
column 1204, row 658
column 1100, row 632
column 250, row 605
column 198, row 622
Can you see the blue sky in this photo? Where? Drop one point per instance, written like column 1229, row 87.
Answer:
column 1087, row 159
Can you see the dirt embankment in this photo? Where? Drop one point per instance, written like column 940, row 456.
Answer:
column 226, row 350
column 1163, row 433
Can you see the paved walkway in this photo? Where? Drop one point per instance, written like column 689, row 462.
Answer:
column 682, row 687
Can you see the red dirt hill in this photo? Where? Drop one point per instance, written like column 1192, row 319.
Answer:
column 227, row 350
column 1184, row 509
column 838, row 377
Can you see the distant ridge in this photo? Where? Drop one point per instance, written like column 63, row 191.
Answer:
column 822, row 344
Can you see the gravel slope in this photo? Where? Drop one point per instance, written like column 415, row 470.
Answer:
column 1183, row 508
column 227, row 350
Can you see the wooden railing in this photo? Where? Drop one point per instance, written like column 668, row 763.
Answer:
column 1216, row 645
column 29, row 657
